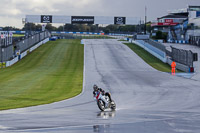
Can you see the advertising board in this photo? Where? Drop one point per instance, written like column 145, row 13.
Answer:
column 82, row 19
column 46, row 19
column 119, row 20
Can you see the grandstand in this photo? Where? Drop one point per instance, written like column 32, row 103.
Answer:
column 180, row 24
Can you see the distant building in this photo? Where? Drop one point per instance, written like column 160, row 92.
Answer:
column 164, row 23
column 179, row 23
column 194, row 15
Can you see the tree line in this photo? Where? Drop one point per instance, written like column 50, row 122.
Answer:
column 83, row 28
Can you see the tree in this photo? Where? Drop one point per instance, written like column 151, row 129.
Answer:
column 38, row 27
column 50, row 27
column 9, row 28
column 68, row 27
column 29, row 27
column 148, row 26
column 161, row 35
column 60, row 28
column 110, row 28
column 86, row 28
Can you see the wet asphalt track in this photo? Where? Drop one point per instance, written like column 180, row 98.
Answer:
column 147, row 101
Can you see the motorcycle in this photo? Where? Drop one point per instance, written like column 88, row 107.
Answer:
column 101, row 104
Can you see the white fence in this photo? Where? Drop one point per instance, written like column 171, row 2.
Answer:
column 152, row 50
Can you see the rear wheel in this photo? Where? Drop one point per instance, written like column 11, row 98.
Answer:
column 101, row 105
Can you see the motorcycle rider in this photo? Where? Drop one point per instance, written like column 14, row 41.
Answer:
column 97, row 91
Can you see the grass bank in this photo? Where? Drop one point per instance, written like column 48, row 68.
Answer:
column 51, row 73
column 150, row 59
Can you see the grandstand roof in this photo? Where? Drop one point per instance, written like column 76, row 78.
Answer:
column 174, row 16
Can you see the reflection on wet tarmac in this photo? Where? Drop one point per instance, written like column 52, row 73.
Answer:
column 101, row 128
column 106, row 114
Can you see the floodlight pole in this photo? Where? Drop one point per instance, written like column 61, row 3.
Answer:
column 145, row 27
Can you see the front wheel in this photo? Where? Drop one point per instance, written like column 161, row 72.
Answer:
column 101, row 105
column 112, row 105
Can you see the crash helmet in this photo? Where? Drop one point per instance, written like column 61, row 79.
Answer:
column 95, row 87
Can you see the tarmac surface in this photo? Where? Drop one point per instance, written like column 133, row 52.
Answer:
column 148, row 101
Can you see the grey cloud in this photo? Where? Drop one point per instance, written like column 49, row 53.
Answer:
column 133, row 8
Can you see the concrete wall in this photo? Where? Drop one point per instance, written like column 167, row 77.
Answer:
column 152, row 50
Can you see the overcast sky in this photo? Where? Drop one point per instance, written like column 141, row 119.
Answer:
column 12, row 11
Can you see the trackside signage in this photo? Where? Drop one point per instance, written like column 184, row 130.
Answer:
column 120, row 20
column 169, row 21
column 82, row 19
column 46, row 19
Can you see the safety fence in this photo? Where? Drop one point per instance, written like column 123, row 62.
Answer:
column 30, row 41
column 23, row 54
column 182, row 56
column 11, row 52
column 6, row 47
column 6, row 53
column 195, row 40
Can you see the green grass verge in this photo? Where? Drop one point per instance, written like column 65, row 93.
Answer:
column 18, row 35
column 150, row 59
column 51, row 73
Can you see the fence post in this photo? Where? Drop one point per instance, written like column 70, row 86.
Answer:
column 192, row 59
